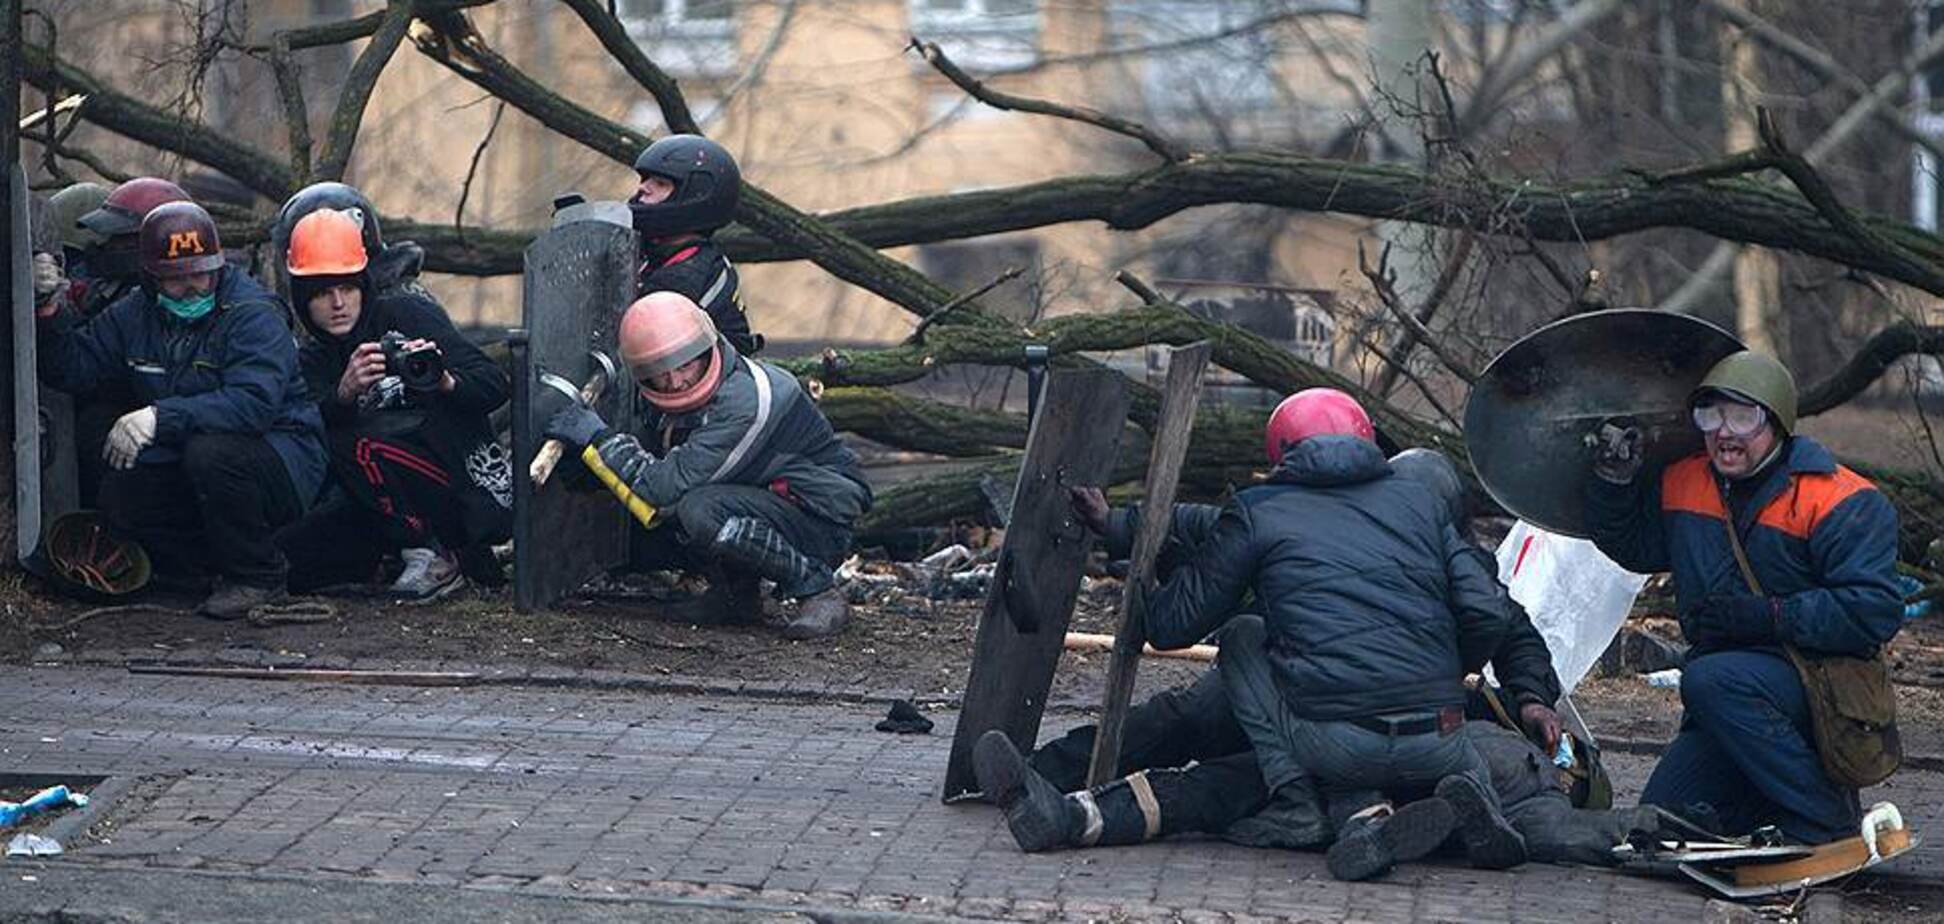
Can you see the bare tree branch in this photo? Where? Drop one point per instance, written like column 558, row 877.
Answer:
column 759, row 64
column 134, row 119
column 1169, row 149
column 1407, row 339
column 1891, row 86
column 614, row 37
column 290, row 89
column 1888, row 345
column 1824, row 65
column 348, row 30
column 1504, row 72
column 1383, row 282
column 349, row 116
column 472, row 170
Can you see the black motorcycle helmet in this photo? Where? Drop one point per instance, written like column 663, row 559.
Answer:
column 325, row 195
column 707, row 187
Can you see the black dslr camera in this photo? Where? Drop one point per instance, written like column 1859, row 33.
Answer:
column 418, row 369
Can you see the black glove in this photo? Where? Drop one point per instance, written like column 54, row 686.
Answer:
column 577, row 426
column 1617, row 450
column 1733, row 621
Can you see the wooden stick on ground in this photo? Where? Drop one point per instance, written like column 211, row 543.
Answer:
column 1101, row 641
column 1170, row 449
column 319, row 675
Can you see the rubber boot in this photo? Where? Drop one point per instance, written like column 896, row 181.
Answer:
column 1376, row 839
column 1040, row 816
column 758, row 547
column 1490, row 841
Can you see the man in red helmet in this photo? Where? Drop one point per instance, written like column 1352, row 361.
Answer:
column 224, row 445
column 86, row 282
column 748, row 475
column 1349, row 684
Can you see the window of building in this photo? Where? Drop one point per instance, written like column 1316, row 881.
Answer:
column 980, row 35
column 685, row 37
column 1206, row 54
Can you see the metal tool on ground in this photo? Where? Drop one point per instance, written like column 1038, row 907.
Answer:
column 1028, row 608
column 1531, row 411
column 1882, row 837
column 1179, row 398
column 588, row 393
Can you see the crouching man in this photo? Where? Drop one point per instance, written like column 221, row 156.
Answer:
column 737, row 473
column 411, row 446
column 225, row 445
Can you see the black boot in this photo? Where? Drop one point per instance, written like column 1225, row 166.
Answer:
column 1370, row 845
column 1293, row 820
column 1041, row 818
column 757, row 546
column 1490, row 841
column 734, row 598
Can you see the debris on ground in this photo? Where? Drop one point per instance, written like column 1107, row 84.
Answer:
column 905, row 719
column 33, row 845
column 53, row 797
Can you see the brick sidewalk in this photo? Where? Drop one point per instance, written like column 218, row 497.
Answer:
column 659, row 794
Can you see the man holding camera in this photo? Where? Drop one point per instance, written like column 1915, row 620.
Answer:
column 405, row 400
column 224, row 446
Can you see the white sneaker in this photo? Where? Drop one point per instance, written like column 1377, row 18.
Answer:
column 429, row 575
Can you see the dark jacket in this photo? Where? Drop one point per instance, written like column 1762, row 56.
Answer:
column 1820, row 538
column 699, row 270
column 1374, row 603
column 234, row 370
column 759, row 429
column 1522, row 663
column 453, row 427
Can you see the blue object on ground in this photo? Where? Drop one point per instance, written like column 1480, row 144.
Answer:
column 53, row 797
column 1913, row 609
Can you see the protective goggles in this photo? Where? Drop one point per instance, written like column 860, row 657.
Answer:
column 1730, row 418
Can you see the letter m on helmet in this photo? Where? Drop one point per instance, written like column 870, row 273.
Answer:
column 185, row 243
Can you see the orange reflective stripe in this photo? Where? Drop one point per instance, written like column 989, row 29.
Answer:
column 1798, row 511
column 1688, row 486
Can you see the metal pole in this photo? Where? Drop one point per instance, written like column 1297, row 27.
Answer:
column 10, row 65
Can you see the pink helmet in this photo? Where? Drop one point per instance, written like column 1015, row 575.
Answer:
column 662, row 331
column 1315, row 412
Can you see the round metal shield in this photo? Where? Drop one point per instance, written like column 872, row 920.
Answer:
column 1531, row 414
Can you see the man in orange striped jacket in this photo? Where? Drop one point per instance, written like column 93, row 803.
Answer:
column 1822, row 542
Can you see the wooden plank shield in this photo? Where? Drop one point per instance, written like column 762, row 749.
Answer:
column 579, row 277
column 1074, row 441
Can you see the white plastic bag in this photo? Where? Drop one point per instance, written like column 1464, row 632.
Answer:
column 1576, row 596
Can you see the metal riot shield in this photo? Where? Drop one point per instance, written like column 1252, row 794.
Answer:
column 579, row 277
column 26, row 387
column 1531, row 414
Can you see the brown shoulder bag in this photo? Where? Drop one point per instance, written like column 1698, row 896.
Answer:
column 1852, row 706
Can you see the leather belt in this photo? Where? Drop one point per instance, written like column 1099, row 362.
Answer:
column 1443, row 721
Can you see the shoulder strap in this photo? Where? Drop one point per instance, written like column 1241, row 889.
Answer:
column 1741, row 555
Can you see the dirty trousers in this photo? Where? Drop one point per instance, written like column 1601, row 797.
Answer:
column 687, row 540
column 214, row 509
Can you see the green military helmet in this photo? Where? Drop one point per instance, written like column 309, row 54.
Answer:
column 67, row 207
column 1758, row 378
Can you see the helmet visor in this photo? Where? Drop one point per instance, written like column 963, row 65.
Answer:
column 1732, row 418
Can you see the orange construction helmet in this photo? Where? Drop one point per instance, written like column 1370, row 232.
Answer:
column 326, row 242
column 662, row 331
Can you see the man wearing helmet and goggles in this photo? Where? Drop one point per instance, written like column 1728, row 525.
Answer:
column 1820, row 543
column 736, row 470
column 225, row 445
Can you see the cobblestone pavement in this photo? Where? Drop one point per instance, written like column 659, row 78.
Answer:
column 552, row 791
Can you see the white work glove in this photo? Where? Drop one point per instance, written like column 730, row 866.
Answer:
column 133, row 432
column 47, row 278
